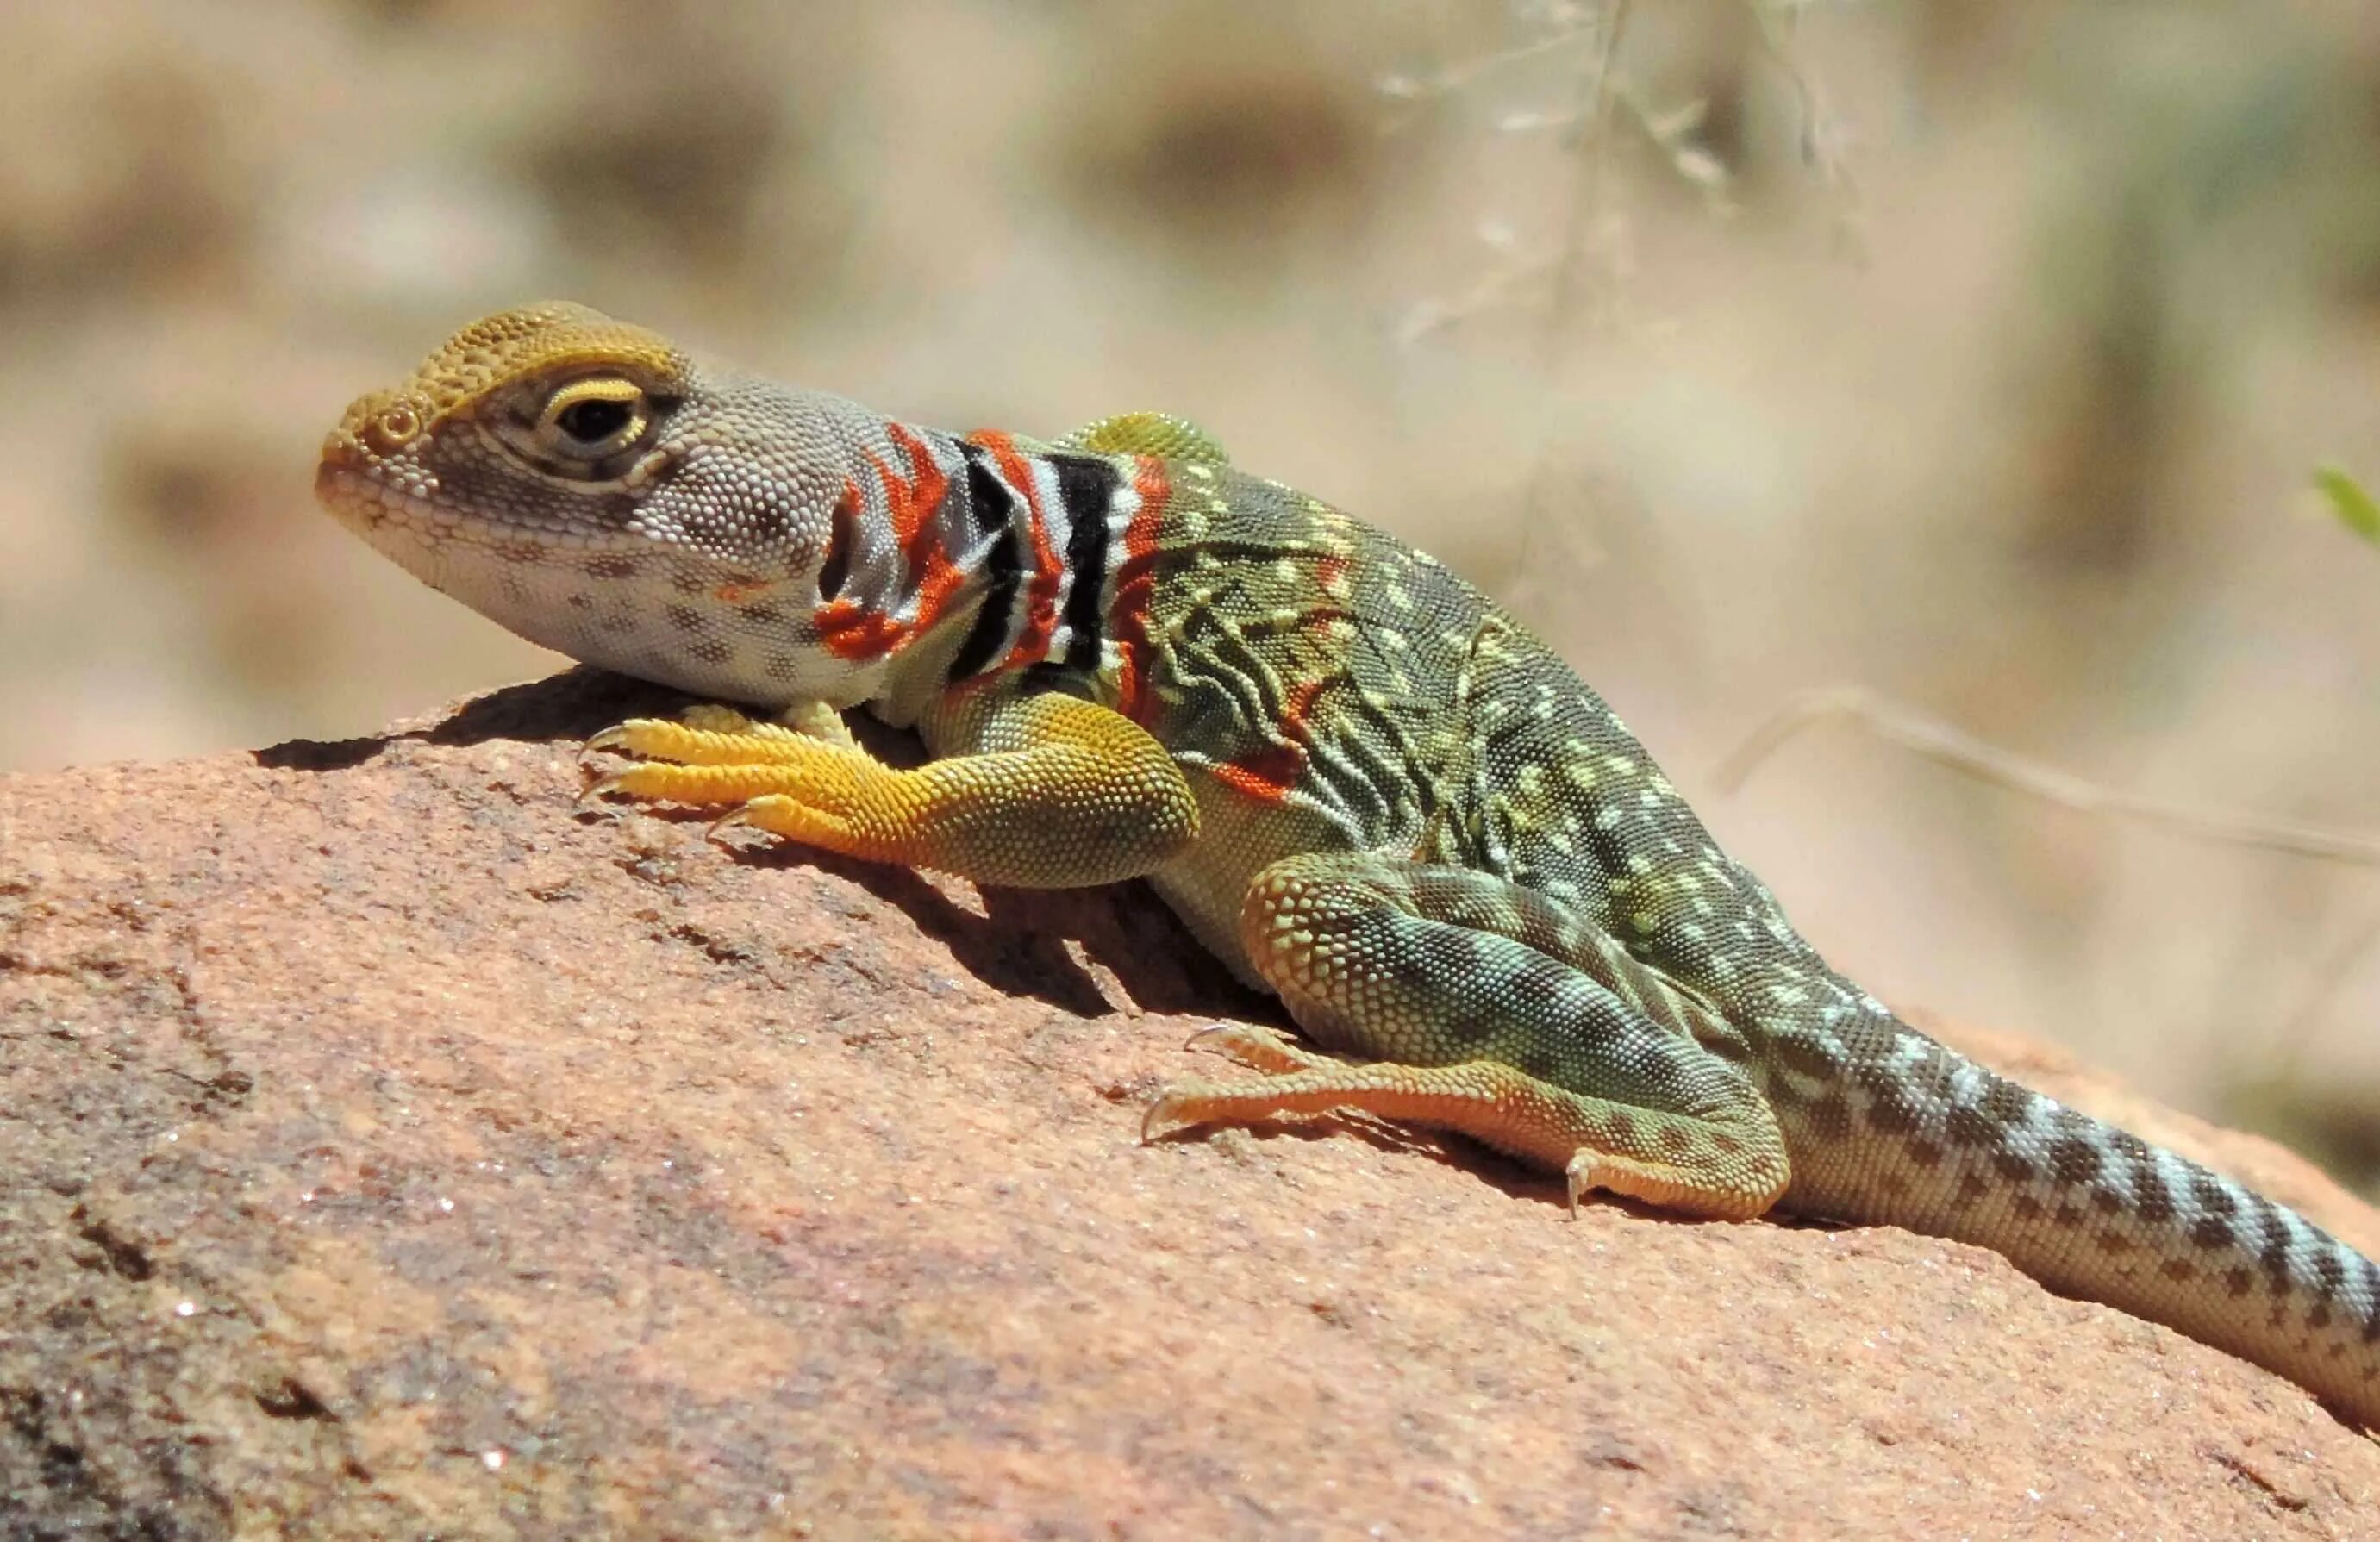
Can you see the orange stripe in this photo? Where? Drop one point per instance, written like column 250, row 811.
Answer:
column 850, row 630
column 914, row 504
column 853, row 631
column 912, row 501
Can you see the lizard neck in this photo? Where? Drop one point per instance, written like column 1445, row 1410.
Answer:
column 1033, row 535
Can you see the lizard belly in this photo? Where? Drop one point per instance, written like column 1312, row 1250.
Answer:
column 1239, row 836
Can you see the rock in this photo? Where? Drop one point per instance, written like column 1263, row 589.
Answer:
column 385, row 1149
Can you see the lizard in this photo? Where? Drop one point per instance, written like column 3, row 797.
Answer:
column 1360, row 783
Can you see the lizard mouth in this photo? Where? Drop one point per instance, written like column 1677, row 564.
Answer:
column 350, row 482
column 339, row 483
column 396, row 507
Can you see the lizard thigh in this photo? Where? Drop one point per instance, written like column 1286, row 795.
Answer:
column 1421, row 972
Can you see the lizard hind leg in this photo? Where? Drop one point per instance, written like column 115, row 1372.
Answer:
column 1423, row 971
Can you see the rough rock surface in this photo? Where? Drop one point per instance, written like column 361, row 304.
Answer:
column 386, row 1150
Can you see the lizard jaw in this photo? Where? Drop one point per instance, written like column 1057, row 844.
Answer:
column 612, row 598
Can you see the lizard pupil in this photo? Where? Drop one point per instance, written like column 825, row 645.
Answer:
column 592, row 421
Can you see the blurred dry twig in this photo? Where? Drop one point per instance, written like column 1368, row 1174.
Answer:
column 1939, row 742
column 1589, row 256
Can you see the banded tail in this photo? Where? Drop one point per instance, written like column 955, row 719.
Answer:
column 2089, row 1211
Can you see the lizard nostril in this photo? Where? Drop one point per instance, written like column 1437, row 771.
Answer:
column 393, row 429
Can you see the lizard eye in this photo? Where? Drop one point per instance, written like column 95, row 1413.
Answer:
column 592, row 419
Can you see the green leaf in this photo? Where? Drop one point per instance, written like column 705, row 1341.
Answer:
column 2356, row 508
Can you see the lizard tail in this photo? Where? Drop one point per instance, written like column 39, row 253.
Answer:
column 2089, row 1211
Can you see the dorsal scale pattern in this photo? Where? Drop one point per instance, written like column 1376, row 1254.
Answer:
column 1358, row 781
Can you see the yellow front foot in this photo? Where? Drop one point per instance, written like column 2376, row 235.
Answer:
column 711, row 757
column 801, row 779
column 708, row 734
column 1059, row 792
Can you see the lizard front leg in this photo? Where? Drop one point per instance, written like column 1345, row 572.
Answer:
column 1488, row 1009
column 1048, row 791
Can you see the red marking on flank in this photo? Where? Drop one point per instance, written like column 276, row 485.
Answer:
column 1269, row 774
column 1135, row 587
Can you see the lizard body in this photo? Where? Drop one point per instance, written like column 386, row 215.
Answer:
column 1359, row 783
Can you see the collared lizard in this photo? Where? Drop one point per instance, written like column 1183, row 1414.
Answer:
column 1359, row 783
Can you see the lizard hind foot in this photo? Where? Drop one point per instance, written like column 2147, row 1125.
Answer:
column 1184, row 1104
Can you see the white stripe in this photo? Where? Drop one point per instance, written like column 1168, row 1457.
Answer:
column 1056, row 529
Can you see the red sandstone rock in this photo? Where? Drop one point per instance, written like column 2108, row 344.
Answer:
column 385, row 1150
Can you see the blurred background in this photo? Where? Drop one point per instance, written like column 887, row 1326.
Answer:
column 1980, row 353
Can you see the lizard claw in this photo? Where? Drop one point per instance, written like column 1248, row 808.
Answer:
column 1161, row 1118
column 728, row 820
column 613, row 737
column 598, row 788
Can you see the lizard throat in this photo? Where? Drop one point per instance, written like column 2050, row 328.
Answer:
column 617, row 601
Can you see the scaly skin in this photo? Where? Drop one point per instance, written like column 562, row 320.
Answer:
column 1359, row 782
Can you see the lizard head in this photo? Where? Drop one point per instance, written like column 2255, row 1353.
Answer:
column 584, row 483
